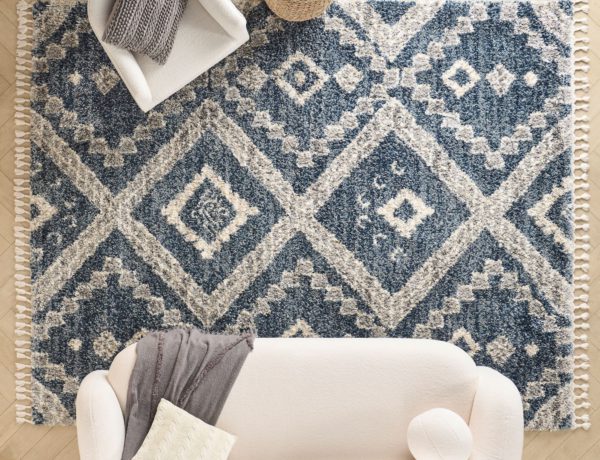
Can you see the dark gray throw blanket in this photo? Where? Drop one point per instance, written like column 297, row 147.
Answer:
column 145, row 26
column 189, row 368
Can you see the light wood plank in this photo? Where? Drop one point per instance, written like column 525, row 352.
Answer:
column 4, row 403
column 7, row 66
column 7, row 144
column 4, row 244
column 8, row 427
column 7, row 225
column 7, row 297
column 7, row 265
column 7, row 352
column 21, row 441
column 7, row 385
column 593, row 453
column 4, row 85
column 7, row 322
column 8, row 9
column 544, row 445
column 52, row 444
column 70, row 452
column 8, row 33
column 6, row 193
column 577, row 443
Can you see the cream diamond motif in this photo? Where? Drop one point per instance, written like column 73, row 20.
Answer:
column 292, row 80
column 405, row 226
column 449, row 77
column 500, row 349
column 348, row 77
column 106, row 79
column 220, row 211
column 500, row 79
column 252, row 78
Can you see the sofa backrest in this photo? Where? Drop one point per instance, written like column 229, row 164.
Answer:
column 342, row 398
column 300, row 399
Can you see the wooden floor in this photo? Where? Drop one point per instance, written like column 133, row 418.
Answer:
column 40, row 442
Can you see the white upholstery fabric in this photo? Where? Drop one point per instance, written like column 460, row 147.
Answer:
column 327, row 399
column 100, row 424
column 209, row 31
column 178, row 435
column 439, row 434
column 344, row 398
column 496, row 399
column 119, row 373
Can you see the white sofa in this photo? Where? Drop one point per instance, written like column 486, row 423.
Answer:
column 330, row 399
column 209, row 31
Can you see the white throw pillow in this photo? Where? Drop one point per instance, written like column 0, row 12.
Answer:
column 176, row 434
column 439, row 434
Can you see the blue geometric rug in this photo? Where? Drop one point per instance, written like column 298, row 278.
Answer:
column 402, row 169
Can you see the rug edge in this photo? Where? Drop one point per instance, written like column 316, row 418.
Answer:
column 581, row 196
column 22, row 197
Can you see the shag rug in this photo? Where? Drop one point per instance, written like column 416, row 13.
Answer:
column 401, row 169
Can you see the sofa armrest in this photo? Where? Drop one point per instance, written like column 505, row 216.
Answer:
column 228, row 17
column 128, row 68
column 124, row 61
column 496, row 418
column 100, row 424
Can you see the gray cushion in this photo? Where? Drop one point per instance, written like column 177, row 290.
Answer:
column 145, row 26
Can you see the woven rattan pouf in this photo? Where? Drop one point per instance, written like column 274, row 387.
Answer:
column 298, row 10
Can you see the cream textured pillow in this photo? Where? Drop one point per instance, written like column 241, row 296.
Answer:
column 177, row 435
column 439, row 434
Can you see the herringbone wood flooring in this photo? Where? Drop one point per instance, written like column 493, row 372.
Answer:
column 41, row 443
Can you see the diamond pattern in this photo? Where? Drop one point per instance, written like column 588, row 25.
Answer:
column 348, row 77
column 390, row 169
column 500, row 79
column 460, row 77
column 491, row 121
column 405, row 224
column 207, row 212
column 300, row 78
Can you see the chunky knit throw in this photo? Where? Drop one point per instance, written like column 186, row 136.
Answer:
column 145, row 26
column 193, row 370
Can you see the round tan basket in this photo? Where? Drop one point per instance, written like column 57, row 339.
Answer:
column 298, row 10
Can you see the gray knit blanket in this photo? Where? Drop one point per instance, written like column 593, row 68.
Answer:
column 145, row 26
column 193, row 370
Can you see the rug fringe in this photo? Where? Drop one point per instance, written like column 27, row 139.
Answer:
column 581, row 208
column 22, row 196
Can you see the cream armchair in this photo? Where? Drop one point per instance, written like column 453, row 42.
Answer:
column 333, row 399
column 209, row 31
